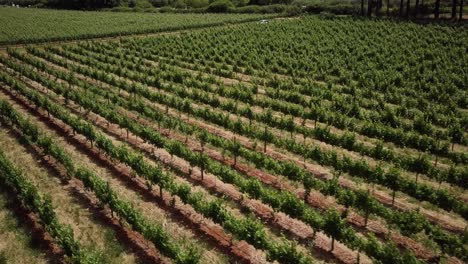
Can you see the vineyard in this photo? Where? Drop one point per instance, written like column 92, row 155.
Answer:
column 42, row 25
column 302, row 140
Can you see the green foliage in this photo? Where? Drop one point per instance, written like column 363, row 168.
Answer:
column 247, row 229
column 334, row 225
column 132, row 3
column 456, row 133
column 159, row 3
column 220, row 6
column 3, row 258
column 197, row 3
column 27, row 25
column 44, row 208
column 240, row 3
column 30, row 199
column 284, row 203
column 378, row 105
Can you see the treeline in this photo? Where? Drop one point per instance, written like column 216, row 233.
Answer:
column 409, row 8
column 95, row 4
column 69, row 4
column 395, row 8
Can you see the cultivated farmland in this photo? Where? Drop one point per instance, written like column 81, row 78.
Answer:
column 300, row 140
column 42, row 25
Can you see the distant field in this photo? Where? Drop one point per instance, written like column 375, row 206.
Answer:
column 21, row 25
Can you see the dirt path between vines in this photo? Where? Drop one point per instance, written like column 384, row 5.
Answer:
column 39, row 235
column 242, row 250
column 241, row 76
column 367, row 141
column 246, row 79
column 295, row 227
column 316, row 199
column 399, row 239
column 133, row 240
column 309, row 124
column 280, row 134
column 444, row 219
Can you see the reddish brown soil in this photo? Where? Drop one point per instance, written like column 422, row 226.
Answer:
column 145, row 250
column 316, row 199
column 355, row 219
column 39, row 235
column 245, row 78
column 399, row 204
column 296, row 228
column 185, row 213
column 444, row 221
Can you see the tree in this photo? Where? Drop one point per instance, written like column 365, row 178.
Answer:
column 289, row 125
column 187, row 130
column 393, row 181
column 202, row 161
column 362, row 9
column 220, row 6
column 308, row 185
column 266, row 137
column 303, row 125
column 187, row 108
column 401, row 8
column 377, row 12
column 455, row 133
column 460, row 16
column 249, row 114
column 436, row 9
column 416, row 8
column 238, row 126
column 454, row 9
column 80, row 4
column 440, row 177
column 161, row 186
column 408, row 7
column 175, row 148
column 267, row 117
column 197, row 3
column 203, row 137
column 365, row 202
column 370, row 4
column 348, row 199
column 421, row 165
column 333, row 226
column 236, row 147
